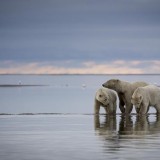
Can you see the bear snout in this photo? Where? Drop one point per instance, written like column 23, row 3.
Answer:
column 103, row 84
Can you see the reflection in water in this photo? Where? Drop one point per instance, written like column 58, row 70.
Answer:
column 107, row 128
column 142, row 126
column 126, row 125
column 107, row 131
column 129, row 135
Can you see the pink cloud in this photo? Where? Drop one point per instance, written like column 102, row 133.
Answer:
column 114, row 67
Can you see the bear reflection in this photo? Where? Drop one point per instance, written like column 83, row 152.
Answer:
column 125, row 125
column 107, row 128
column 127, row 128
column 143, row 126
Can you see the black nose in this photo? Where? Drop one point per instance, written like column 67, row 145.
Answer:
column 103, row 85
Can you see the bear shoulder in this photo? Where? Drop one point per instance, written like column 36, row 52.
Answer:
column 152, row 89
column 139, row 84
column 149, row 91
column 148, row 88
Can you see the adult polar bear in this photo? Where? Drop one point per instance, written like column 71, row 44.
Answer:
column 106, row 98
column 124, row 90
column 143, row 97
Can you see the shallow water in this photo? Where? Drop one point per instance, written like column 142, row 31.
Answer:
column 71, row 131
column 66, row 137
column 56, row 93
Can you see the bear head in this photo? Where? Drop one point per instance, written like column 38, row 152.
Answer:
column 102, row 97
column 112, row 84
column 137, row 98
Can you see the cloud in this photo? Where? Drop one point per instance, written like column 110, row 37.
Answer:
column 79, row 37
column 88, row 67
column 72, row 30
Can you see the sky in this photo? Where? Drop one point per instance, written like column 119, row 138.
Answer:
column 79, row 36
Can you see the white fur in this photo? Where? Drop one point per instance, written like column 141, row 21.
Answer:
column 147, row 96
column 106, row 98
column 124, row 90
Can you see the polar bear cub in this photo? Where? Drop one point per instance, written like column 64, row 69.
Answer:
column 144, row 97
column 106, row 98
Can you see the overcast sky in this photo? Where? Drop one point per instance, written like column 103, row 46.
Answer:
column 79, row 36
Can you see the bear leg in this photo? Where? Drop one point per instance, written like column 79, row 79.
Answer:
column 157, row 107
column 129, row 108
column 114, row 107
column 121, row 103
column 144, row 108
column 96, row 107
column 111, row 109
column 107, row 109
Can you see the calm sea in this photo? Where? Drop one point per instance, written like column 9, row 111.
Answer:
column 51, row 117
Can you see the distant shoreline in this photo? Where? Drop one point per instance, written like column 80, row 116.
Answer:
column 21, row 85
column 18, row 114
column 83, row 74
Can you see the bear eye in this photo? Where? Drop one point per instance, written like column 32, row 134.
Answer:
column 100, row 95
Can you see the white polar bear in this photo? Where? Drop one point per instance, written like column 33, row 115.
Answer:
column 124, row 90
column 106, row 98
column 143, row 97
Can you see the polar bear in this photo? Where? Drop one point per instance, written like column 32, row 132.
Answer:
column 106, row 98
column 143, row 97
column 124, row 90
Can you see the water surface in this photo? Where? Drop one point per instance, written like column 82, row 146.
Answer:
column 66, row 137
column 68, row 130
column 56, row 93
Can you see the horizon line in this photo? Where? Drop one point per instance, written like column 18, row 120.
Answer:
column 79, row 73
